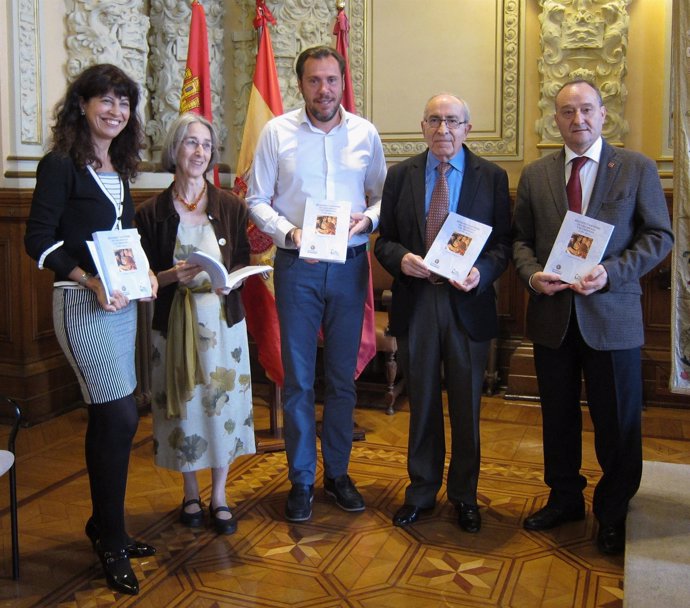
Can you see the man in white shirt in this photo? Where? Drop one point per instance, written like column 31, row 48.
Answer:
column 322, row 152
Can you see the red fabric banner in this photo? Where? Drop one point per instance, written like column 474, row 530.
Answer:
column 367, row 345
column 342, row 43
column 196, row 88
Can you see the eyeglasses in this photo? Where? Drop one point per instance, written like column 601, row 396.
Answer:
column 192, row 143
column 451, row 122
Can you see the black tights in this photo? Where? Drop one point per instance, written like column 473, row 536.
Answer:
column 109, row 435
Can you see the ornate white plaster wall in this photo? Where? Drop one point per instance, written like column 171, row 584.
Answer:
column 584, row 39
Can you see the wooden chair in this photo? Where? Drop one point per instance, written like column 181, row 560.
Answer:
column 8, row 463
column 385, row 343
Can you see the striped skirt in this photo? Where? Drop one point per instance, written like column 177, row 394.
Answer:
column 99, row 345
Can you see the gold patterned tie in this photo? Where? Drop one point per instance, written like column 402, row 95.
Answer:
column 574, row 188
column 438, row 207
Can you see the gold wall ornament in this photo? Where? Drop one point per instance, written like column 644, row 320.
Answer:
column 583, row 39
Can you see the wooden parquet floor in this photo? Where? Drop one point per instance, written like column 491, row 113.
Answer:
column 336, row 559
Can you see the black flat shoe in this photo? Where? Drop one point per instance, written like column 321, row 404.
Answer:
column 135, row 548
column 223, row 526
column 192, row 520
column 118, row 571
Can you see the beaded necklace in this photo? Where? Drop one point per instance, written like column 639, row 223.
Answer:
column 193, row 205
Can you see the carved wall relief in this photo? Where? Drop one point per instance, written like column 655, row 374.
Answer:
column 108, row 31
column 30, row 104
column 584, row 39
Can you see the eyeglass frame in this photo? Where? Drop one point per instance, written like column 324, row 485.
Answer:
column 192, row 143
column 442, row 119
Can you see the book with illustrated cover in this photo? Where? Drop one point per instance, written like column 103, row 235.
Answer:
column 457, row 247
column 220, row 277
column 325, row 230
column 121, row 262
column 579, row 247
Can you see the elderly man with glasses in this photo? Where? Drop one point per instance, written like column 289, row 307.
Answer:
column 443, row 327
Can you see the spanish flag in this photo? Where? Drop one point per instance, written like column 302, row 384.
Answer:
column 258, row 295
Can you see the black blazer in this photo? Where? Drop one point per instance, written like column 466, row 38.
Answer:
column 484, row 198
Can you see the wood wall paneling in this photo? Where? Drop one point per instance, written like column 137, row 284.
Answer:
column 35, row 372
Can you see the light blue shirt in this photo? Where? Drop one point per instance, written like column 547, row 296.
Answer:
column 454, row 176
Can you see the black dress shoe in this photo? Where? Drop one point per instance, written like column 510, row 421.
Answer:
column 117, row 570
column 551, row 517
column 299, row 501
column 135, row 548
column 408, row 514
column 222, row 525
column 611, row 539
column 192, row 520
column 469, row 518
column 344, row 492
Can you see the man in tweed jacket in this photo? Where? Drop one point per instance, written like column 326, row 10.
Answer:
column 594, row 327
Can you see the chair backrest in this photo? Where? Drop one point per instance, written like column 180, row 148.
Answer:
column 380, row 277
column 10, row 411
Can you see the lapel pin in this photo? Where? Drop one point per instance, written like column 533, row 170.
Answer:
column 611, row 165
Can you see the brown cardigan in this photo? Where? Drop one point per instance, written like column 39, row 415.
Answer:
column 157, row 222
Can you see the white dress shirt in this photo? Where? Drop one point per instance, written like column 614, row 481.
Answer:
column 588, row 171
column 294, row 161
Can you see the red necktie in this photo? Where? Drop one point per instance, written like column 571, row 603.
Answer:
column 574, row 187
column 438, row 207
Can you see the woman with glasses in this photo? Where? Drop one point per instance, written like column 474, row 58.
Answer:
column 201, row 382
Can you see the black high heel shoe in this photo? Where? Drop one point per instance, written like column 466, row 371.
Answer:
column 223, row 526
column 117, row 570
column 135, row 548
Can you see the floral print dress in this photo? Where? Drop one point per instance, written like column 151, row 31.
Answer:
column 219, row 426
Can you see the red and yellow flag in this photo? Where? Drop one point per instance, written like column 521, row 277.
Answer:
column 258, row 295
column 196, row 88
column 367, row 345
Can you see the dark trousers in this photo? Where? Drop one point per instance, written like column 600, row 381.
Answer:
column 613, row 381
column 438, row 351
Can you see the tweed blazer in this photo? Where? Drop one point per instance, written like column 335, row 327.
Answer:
column 628, row 194
column 484, row 197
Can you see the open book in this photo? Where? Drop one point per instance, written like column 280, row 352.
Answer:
column 121, row 262
column 220, row 277
column 579, row 247
column 457, row 247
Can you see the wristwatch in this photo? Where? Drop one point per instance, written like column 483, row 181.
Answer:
column 83, row 279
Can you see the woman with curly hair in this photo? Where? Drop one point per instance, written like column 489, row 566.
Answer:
column 82, row 186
